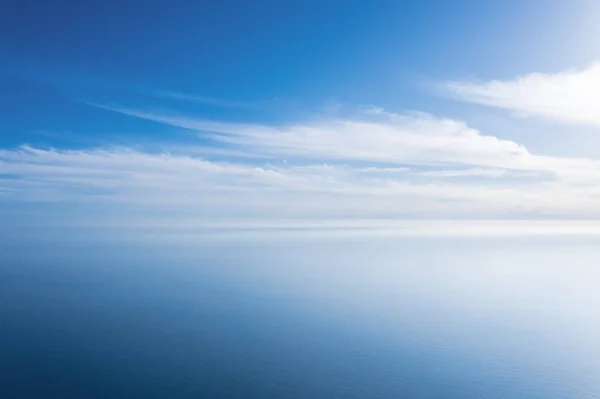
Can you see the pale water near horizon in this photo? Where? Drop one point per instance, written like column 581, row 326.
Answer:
column 354, row 317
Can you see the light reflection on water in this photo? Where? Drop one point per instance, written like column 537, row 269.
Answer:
column 321, row 318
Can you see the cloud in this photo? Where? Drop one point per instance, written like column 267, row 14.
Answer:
column 571, row 97
column 389, row 138
column 476, row 172
column 378, row 137
column 206, row 100
column 375, row 165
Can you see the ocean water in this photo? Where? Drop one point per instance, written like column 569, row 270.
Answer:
column 323, row 317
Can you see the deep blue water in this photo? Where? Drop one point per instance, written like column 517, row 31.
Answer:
column 323, row 318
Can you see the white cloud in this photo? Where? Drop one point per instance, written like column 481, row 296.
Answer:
column 571, row 96
column 473, row 172
column 377, row 136
column 389, row 138
column 374, row 166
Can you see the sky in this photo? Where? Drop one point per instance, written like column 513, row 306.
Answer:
column 270, row 113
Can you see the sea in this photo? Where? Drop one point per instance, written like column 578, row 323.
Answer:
column 300, row 316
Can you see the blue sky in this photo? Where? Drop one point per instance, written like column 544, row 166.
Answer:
column 226, row 112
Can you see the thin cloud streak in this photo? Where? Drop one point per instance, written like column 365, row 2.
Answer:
column 217, row 102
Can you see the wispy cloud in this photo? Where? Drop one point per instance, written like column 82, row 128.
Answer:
column 217, row 102
column 571, row 96
column 391, row 138
column 381, row 137
column 376, row 165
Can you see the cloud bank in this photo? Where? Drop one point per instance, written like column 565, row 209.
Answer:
column 373, row 165
column 571, row 97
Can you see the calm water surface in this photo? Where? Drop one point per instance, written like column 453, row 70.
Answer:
column 310, row 318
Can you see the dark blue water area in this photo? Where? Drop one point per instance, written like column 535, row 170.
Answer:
column 134, row 321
